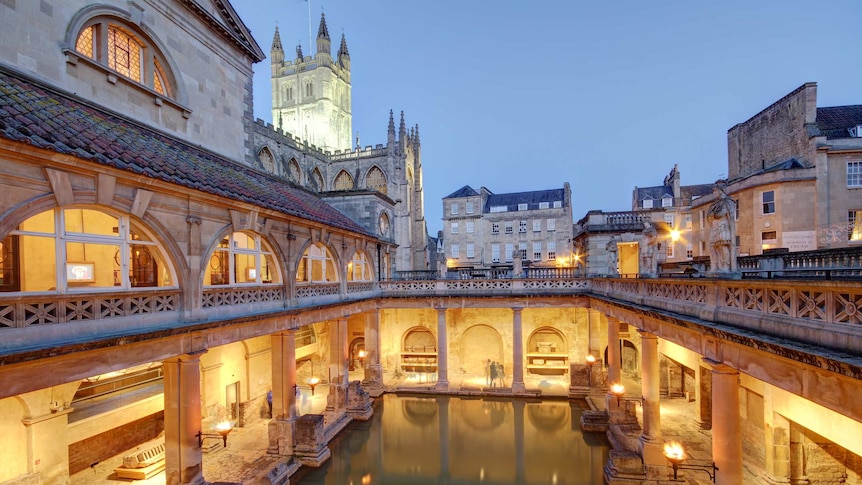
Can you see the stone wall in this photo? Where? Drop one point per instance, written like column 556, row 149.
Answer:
column 92, row 450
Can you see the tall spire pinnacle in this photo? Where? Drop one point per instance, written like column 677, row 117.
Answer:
column 322, row 31
column 417, row 134
column 342, row 50
column 402, row 135
column 276, row 41
column 391, row 123
column 299, row 55
column 390, row 137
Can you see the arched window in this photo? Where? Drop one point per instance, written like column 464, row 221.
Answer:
column 317, row 266
column 95, row 250
column 309, row 89
column 359, row 268
column 293, row 171
column 317, row 180
column 376, row 180
column 343, row 181
column 122, row 48
column 267, row 160
column 242, row 258
column 288, row 93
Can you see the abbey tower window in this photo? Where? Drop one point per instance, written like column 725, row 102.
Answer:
column 376, row 180
column 343, row 181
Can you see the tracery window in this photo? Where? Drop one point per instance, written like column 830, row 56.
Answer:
column 267, row 160
column 80, row 249
column 242, row 258
column 111, row 43
column 293, row 171
column 343, row 181
column 317, row 180
column 376, row 180
column 359, row 268
column 317, row 266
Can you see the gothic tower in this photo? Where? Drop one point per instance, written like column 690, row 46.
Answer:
column 311, row 95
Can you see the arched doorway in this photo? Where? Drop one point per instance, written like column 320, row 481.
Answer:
column 356, row 345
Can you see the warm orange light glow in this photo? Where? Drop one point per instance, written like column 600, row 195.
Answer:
column 362, row 354
column 674, row 235
column 366, row 479
column 590, row 359
column 313, row 381
column 224, row 427
column 618, row 390
column 674, row 452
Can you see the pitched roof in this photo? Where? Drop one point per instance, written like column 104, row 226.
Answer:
column 465, row 191
column 532, row 199
column 686, row 192
column 45, row 118
column 233, row 29
column 836, row 120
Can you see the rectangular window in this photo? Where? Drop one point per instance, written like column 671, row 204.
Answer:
column 854, row 174
column 736, row 206
column 454, row 228
column 495, row 253
column 537, row 251
column 667, row 201
column 498, row 208
column 558, row 204
column 769, row 236
column 544, row 205
column 522, row 248
column 668, row 218
column 453, row 209
column 469, row 226
column 688, row 222
column 702, row 219
column 509, row 225
column 495, row 228
column 647, row 203
column 522, row 207
column 669, row 251
column 510, row 250
column 522, row 226
column 552, row 224
column 471, row 250
column 703, row 248
column 552, row 250
column 854, row 225
column 469, row 208
column 768, row 199
column 537, row 225
column 456, row 251
column 689, row 252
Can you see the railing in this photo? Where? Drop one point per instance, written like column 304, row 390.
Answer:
column 24, row 311
column 414, row 275
column 309, row 291
column 844, row 263
column 217, row 297
column 360, row 287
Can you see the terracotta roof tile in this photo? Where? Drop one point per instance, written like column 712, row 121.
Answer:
column 34, row 114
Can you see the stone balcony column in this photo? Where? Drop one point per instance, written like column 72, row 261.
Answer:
column 338, row 368
column 442, row 352
column 726, row 424
column 373, row 373
column 651, row 443
column 615, row 407
column 281, row 427
column 182, row 384
column 517, row 352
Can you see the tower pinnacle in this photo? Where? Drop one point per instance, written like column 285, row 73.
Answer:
column 323, row 42
column 276, row 41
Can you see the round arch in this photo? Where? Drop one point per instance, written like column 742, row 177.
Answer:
column 481, row 344
column 319, row 264
column 241, row 257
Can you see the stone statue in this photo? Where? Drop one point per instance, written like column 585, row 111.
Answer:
column 722, row 232
column 613, row 255
column 441, row 266
column 517, row 268
column 648, row 250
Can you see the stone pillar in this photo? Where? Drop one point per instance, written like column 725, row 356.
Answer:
column 281, row 427
column 373, row 373
column 517, row 352
column 616, row 409
column 182, row 384
column 726, row 424
column 777, row 442
column 651, row 443
column 704, row 398
column 44, row 433
column 442, row 352
column 338, row 366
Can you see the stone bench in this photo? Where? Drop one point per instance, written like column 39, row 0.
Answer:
column 143, row 464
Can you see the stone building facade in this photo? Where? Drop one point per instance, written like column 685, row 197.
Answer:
column 794, row 172
column 482, row 229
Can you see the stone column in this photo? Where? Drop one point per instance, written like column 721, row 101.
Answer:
column 517, row 352
column 182, row 384
column 442, row 352
column 373, row 373
column 651, row 443
column 616, row 409
column 777, row 442
column 336, row 401
column 726, row 424
column 281, row 427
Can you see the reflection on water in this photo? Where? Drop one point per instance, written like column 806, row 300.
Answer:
column 435, row 440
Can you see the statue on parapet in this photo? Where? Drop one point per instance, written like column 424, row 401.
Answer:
column 722, row 233
column 649, row 251
column 517, row 264
column 613, row 257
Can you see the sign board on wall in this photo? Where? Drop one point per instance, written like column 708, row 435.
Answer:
column 799, row 240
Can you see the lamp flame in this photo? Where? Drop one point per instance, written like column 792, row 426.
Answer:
column 674, row 452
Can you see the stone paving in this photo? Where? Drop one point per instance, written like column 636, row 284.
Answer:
column 245, row 457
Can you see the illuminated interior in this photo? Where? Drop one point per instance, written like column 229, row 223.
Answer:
column 317, row 266
column 359, row 269
column 242, row 258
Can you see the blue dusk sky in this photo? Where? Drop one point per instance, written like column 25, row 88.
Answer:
column 605, row 95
